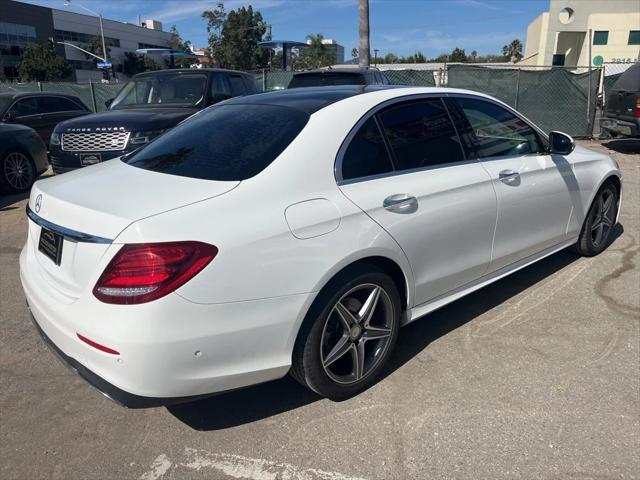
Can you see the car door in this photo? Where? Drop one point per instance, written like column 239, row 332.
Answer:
column 53, row 110
column 533, row 187
column 406, row 168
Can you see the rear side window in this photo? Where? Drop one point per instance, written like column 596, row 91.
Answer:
column 324, row 79
column 366, row 154
column 218, row 86
column 498, row 132
column 25, row 106
column 421, row 134
column 237, row 85
column 630, row 80
column 224, row 142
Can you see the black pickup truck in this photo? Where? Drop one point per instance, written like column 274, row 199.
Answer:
column 147, row 106
column 622, row 107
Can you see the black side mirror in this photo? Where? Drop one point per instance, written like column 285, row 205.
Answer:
column 107, row 103
column 561, row 143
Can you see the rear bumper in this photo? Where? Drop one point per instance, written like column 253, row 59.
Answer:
column 166, row 351
column 620, row 127
column 109, row 390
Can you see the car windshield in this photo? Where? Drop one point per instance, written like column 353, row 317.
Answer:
column 324, row 79
column 178, row 90
column 224, row 142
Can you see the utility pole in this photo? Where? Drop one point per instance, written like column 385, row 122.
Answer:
column 375, row 57
column 363, row 31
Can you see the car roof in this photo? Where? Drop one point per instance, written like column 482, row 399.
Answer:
column 339, row 71
column 308, row 99
column 16, row 95
column 194, row 71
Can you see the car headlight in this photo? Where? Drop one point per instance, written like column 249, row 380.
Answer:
column 55, row 139
column 139, row 138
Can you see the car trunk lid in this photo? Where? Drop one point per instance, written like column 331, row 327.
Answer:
column 91, row 206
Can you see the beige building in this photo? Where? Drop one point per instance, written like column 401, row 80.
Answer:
column 561, row 35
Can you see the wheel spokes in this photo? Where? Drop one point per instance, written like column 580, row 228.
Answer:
column 376, row 333
column 358, row 359
column 369, row 307
column 338, row 351
column 347, row 318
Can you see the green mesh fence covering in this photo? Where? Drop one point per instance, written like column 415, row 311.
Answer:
column 555, row 99
column 19, row 87
column 274, row 80
column 104, row 93
column 417, row 78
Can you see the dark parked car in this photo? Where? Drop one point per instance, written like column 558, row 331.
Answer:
column 23, row 157
column 147, row 106
column 338, row 76
column 40, row 111
column 622, row 108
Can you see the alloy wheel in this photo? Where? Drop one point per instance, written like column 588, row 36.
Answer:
column 18, row 171
column 603, row 217
column 357, row 333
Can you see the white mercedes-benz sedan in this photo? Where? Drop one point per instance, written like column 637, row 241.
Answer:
column 297, row 231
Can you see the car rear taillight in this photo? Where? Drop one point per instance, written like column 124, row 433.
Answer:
column 142, row 272
column 636, row 112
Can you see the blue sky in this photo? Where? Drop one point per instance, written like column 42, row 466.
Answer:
column 399, row 26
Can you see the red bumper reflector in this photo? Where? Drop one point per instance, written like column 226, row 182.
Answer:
column 102, row 348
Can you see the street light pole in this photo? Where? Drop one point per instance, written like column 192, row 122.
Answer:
column 104, row 47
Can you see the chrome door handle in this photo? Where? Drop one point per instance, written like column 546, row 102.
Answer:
column 508, row 176
column 400, row 203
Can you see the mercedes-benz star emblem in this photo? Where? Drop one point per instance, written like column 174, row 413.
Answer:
column 38, row 202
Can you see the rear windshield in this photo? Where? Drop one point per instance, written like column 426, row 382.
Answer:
column 323, row 79
column 223, row 142
column 629, row 80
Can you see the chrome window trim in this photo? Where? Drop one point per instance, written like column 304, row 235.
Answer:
column 337, row 169
column 67, row 233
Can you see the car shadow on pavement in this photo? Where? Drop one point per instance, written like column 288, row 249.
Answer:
column 624, row 145
column 266, row 400
column 7, row 201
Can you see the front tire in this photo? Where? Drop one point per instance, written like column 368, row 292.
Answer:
column 17, row 172
column 348, row 334
column 596, row 234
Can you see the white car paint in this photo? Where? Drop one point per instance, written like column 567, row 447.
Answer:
column 282, row 235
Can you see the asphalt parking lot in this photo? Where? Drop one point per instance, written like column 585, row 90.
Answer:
column 536, row 376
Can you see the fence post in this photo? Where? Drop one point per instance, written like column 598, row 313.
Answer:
column 517, row 88
column 264, row 80
column 93, row 97
column 589, row 125
column 40, row 86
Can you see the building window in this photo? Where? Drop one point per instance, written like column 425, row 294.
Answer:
column 558, row 60
column 149, row 45
column 600, row 37
column 85, row 38
column 16, row 33
column 634, row 37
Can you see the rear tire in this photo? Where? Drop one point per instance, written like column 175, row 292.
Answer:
column 17, row 172
column 348, row 333
column 596, row 236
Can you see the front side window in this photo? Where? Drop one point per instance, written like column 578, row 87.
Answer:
column 421, row 134
column 224, row 142
column 600, row 37
column 219, row 87
column 162, row 90
column 57, row 104
column 496, row 132
column 366, row 155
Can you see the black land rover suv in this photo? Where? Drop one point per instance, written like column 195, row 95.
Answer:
column 147, row 106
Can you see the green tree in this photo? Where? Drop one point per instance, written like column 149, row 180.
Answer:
column 474, row 56
column 458, row 55
column 234, row 37
column 442, row 58
column 177, row 43
column 316, row 55
column 513, row 51
column 95, row 46
column 390, row 58
column 354, row 53
column 40, row 63
column 134, row 63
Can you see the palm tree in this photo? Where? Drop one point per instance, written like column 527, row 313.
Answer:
column 513, row 51
column 317, row 54
column 363, row 31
